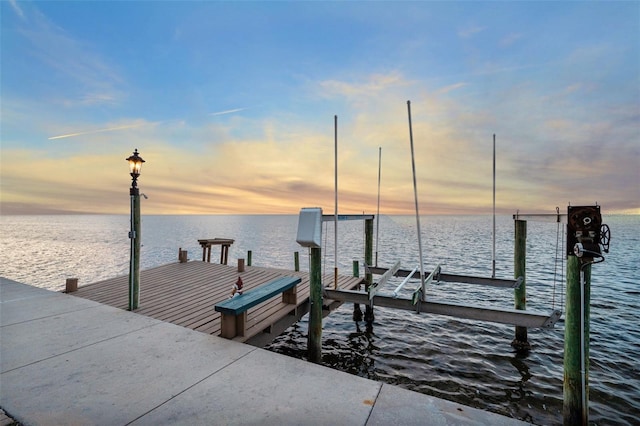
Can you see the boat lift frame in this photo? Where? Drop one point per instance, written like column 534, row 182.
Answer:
column 515, row 317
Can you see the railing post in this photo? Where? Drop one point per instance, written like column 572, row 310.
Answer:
column 576, row 344
column 520, row 342
column 314, row 342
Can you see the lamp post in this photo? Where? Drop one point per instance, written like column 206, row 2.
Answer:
column 135, row 164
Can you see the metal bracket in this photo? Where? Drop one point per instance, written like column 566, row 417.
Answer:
column 552, row 320
column 518, row 282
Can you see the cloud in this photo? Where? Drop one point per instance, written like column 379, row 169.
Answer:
column 79, row 75
column 451, row 88
column 373, row 86
column 510, row 39
column 470, row 31
column 17, row 9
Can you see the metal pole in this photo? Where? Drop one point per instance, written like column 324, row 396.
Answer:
column 520, row 343
column 415, row 193
column 296, row 261
column 314, row 342
column 576, row 343
column 493, row 252
column 335, row 255
column 378, row 210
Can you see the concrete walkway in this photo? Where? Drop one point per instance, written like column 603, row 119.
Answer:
column 71, row 361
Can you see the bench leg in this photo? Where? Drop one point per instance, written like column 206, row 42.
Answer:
column 290, row 296
column 233, row 325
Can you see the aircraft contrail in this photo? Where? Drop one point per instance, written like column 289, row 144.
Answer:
column 110, row 129
column 97, row 131
column 229, row 111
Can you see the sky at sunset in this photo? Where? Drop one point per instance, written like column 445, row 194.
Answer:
column 232, row 106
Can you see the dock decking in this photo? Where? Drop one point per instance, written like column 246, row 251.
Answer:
column 185, row 294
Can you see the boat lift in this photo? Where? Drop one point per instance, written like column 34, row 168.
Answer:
column 416, row 303
column 516, row 317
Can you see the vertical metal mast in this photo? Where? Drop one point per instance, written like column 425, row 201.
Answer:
column 378, row 211
column 335, row 256
column 493, row 253
column 415, row 193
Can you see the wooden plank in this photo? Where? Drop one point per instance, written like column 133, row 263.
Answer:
column 185, row 294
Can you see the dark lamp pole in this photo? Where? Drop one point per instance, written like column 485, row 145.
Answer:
column 135, row 164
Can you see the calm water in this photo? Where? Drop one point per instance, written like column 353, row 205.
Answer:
column 461, row 360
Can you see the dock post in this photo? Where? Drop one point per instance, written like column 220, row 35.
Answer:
column 182, row 255
column 369, row 317
column 296, row 261
column 357, row 312
column 576, row 343
column 249, row 258
column 314, row 342
column 71, row 285
column 520, row 342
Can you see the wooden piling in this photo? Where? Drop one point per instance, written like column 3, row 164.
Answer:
column 520, row 342
column 296, row 261
column 576, row 344
column 357, row 312
column 71, row 285
column 314, row 341
column 134, row 290
column 182, row 255
column 249, row 258
column 240, row 265
column 369, row 317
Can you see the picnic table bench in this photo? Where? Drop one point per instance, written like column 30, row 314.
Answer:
column 234, row 310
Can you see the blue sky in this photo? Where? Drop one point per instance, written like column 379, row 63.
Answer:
column 231, row 104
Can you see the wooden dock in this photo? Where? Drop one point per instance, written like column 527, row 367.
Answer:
column 185, row 294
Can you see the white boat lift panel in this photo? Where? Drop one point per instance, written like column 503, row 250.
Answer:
column 453, row 278
column 520, row 318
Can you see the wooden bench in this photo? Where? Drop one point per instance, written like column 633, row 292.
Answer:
column 234, row 310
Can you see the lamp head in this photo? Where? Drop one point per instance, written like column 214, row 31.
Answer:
column 135, row 164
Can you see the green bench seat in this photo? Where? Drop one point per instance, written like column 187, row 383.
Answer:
column 234, row 310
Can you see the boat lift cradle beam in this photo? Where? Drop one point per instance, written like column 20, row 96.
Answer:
column 452, row 278
column 527, row 319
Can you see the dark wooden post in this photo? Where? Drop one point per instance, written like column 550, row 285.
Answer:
column 249, row 258
column 134, row 268
column 520, row 342
column 357, row 312
column 576, row 344
column 314, row 342
column 71, row 285
column 369, row 317
column 296, row 261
